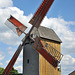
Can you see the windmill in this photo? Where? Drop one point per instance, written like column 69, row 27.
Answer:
column 36, row 44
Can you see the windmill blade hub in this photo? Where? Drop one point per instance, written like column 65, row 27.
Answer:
column 35, row 32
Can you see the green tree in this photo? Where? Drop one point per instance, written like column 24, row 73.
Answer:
column 13, row 71
column 1, row 70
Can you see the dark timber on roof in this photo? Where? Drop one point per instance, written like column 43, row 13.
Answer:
column 72, row 73
column 49, row 34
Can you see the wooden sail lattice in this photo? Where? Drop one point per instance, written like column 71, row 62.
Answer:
column 39, row 46
column 54, row 52
column 15, row 25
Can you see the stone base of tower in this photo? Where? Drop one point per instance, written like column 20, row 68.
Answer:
column 30, row 60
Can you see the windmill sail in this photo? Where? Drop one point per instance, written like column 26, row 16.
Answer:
column 12, row 61
column 47, row 55
column 41, row 12
column 15, row 25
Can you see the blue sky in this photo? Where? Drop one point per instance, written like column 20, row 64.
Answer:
column 61, row 18
column 64, row 8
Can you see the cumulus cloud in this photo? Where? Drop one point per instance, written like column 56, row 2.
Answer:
column 6, row 35
column 19, row 68
column 68, row 64
column 5, row 3
column 62, row 28
column 68, row 60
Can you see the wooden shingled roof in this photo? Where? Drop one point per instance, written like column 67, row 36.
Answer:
column 49, row 34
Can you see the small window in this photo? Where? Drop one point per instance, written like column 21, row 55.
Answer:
column 27, row 60
column 59, row 67
column 46, row 44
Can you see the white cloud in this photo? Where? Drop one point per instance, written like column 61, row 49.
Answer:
column 6, row 35
column 62, row 28
column 68, row 60
column 5, row 3
column 19, row 68
column 68, row 64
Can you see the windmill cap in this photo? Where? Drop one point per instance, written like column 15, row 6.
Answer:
column 49, row 34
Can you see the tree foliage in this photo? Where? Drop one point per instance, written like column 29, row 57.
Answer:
column 1, row 70
column 13, row 71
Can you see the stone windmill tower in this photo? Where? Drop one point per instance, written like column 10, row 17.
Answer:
column 35, row 63
column 41, row 46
